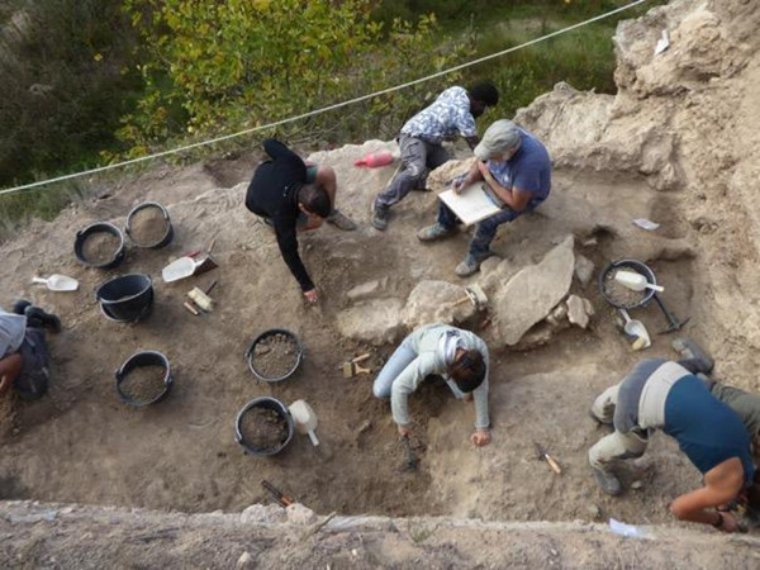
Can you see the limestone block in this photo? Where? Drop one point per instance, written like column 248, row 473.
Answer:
column 584, row 269
column 377, row 321
column 266, row 514
column 300, row 514
column 533, row 292
column 579, row 310
column 434, row 302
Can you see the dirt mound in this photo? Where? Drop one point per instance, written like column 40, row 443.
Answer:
column 679, row 144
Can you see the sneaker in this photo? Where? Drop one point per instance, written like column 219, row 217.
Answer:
column 607, row 482
column 380, row 217
column 468, row 266
column 39, row 318
column 434, row 232
column 341, row 221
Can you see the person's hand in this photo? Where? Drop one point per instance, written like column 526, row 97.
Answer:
column 311, row 296
column 3, row 384
column 404, row 431
column 481, row 437
column 459, row 184
column 483, row 168
column 730, row 522
column 314, row 222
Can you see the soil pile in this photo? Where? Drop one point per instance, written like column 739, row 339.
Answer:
column 275, row 355
column 99, row 248
column 263, row 428
column 148, row 226
column 144, row 383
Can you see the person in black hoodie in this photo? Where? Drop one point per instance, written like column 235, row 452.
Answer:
column 290, row 196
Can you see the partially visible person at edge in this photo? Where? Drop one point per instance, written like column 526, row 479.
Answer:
column 452, row 114
column 24, row 357
column 457, row 355
column 517, row 171
column 291, row 195
column 675, row 398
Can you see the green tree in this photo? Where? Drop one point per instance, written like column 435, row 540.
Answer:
column 211, row 66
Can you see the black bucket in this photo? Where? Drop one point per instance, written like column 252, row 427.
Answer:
column 266, row 403
column 250, row 355
column 636, row 266
column 99, row 228
column 139, row 359
column 127, row 298
column 168, row 234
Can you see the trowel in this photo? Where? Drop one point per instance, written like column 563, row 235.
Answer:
column 58, row 282
column 636, row 329
column 305, row 419
column 636, row 281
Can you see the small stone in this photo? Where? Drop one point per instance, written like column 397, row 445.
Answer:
column 364, row 291
column 584, row 269
column 245, row 561
column 262, row 514
column 637, row 485
column 594, row 511
column 365, row 425
column 299, row 514
column 576, row 311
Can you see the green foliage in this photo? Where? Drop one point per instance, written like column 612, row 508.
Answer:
column 63, row 91
column 213, row 66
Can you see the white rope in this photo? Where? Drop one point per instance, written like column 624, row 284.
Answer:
column 323, row 109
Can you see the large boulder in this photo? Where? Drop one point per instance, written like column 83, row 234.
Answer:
column 436, row 302
column 377, row 321
column 533, row 292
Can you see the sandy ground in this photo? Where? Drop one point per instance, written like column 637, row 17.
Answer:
column 80, row 444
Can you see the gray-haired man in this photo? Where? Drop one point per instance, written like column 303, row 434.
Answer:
column 517, row 169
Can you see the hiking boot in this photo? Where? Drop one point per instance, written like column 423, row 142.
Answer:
column 380, row 217
column 36, row 317
column 469, row 265
column 689, row 349
column 434, row 232
column 607, row 482
column 341, row 221
column 19, row 307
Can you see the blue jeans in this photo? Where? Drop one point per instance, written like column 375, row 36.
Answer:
column 485, row 231
column 402, row 357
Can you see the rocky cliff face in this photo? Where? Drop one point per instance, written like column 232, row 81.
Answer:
column 687, row 121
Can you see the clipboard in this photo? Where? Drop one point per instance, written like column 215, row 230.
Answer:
column 473, row 204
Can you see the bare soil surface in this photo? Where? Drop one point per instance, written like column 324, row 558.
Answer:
column 640, row 154
column 64, row 536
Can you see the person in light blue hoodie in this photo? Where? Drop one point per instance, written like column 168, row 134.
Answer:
column 457, row 355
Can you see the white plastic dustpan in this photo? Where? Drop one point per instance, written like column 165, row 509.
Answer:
column 179, row 269
column 305, row 419
column 58, row 282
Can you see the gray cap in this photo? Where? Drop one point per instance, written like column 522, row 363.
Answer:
column 500, row 137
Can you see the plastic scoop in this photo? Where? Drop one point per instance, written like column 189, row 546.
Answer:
column 179, row 269
column 636, row 328
column 58, row 282
column 305, row 419
column 635, row 281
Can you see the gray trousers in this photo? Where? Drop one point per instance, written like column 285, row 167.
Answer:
column 617, row 445
column 418, row 158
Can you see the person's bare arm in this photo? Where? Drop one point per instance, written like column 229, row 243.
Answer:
column 722, row 485
column 513, row 197
column 10, row 366
column 473, row 175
